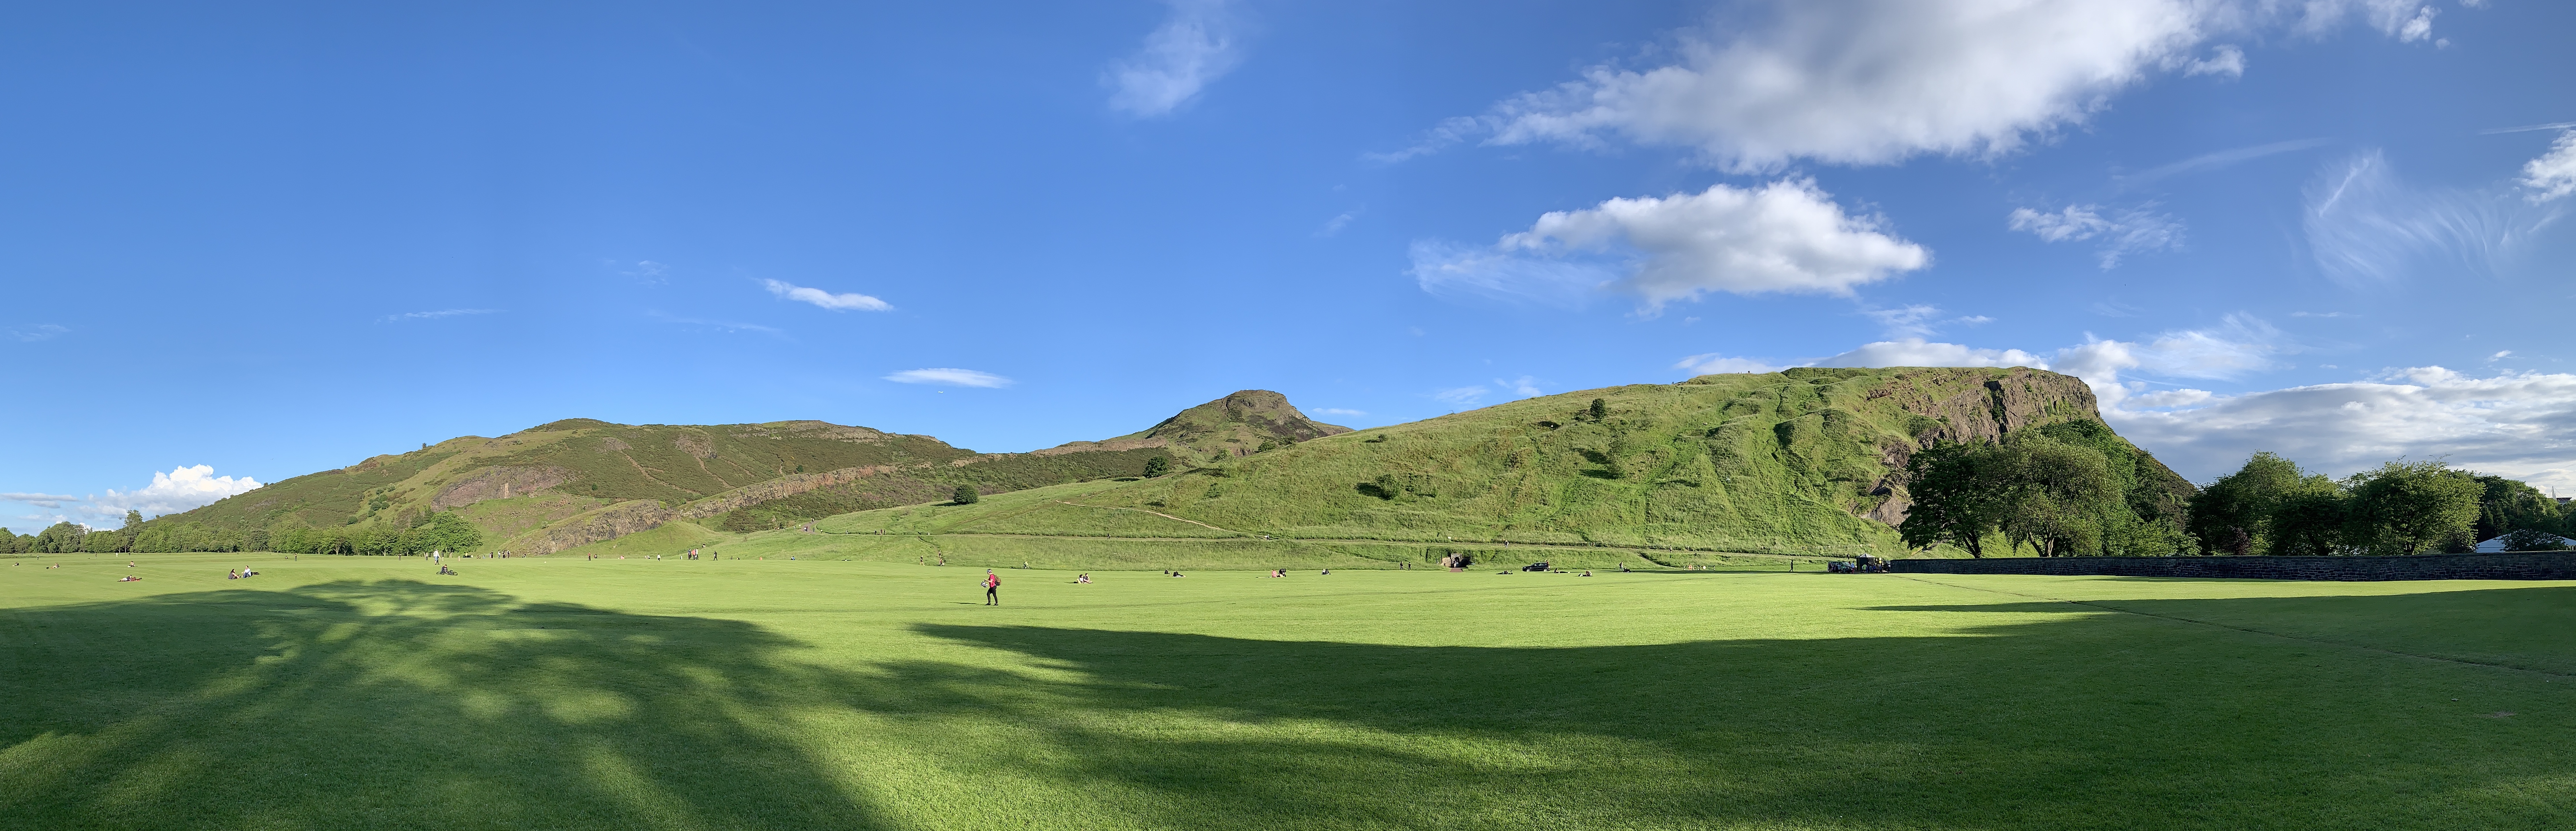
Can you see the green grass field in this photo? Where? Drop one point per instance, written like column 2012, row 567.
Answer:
column 635, row 694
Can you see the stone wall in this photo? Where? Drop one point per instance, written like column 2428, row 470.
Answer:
column 2545, row 565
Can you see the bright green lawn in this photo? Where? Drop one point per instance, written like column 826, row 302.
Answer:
column 563, row 693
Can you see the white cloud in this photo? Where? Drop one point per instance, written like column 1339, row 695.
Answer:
column 1915, row 320
column 1192, row 48
column 41, row 500
column 1714, row 363
column 2521, row 425
column 2367, row 228
column 1340, row 412
column 434, row 315
column 2553, row 174
column 2127, row 231
column 37, row 331
column 825, row 299
column 2213, row 161
column 1524, row 386
column 178, row 490
column 1919, row 352
column 1867, row 81
column 718, row 325
column 1450, row 269
column 1787, row 236
column 948, row 377
column 1878, row 81
column 2239, row 345
column 1461, row 396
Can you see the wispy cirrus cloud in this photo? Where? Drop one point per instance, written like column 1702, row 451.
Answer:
column 33, row 332
column 824, row 299
column 1337, row 411
column 2216, row 160
column 2125, row 231
column 434, row 315
column 716, row 325
column 2367, row 228
column 1196, row 45
column 950, row 377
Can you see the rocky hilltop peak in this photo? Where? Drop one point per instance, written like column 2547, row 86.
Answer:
column 1242, row 423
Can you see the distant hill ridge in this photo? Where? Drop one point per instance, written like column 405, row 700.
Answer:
column 578, row 480
column 1799, row 461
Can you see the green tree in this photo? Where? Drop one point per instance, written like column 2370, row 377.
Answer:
column 1953, row 486
column 441, row 531
column 1600, row 409
column 1157, row 466
column 133, row 524
column 2060, row 497
column 2412, row 508
column 966, row 495
column 2245, row 512
column 102, row 542
column 2533, row 539
column 2507, row 505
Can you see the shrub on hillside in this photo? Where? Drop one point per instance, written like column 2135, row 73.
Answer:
column 966, row 495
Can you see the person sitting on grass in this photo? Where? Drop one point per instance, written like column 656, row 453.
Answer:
column 129, row 579
column 1082, row 578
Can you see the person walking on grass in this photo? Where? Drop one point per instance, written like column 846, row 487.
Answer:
column 992, row 588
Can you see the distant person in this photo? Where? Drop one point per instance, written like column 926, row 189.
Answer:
column 992, row 588
column 129, row 579
column 1327, row 572
column 1082, row 578
column 234, row 574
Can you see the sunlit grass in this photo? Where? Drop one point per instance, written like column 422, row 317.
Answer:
column 764, row 693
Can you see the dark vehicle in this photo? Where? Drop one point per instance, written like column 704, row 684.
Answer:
column 1863, row 564
column 1535, row 567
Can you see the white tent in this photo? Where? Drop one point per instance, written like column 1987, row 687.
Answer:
column 2496, row 545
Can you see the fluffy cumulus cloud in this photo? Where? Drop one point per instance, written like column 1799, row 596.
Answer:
column 835, row 302
column 180, row 489
column 2518, row 425
column 2366, row 227
column 1195, row 45
column 1787, row 236
column 1877, row 81
column 2553, row 175
column 949, row 377
column 2120, row 233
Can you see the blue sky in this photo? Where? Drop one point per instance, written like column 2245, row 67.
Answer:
column 247, row 243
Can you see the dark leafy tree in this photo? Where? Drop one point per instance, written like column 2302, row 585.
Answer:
column 1955, row 502
column 1600, row 409
column 2244, row 512
column 2533, row 539
column 1157, row 466
column 2060, row 498
column 2507, row 505
column 2412, row 508
column 966, row 495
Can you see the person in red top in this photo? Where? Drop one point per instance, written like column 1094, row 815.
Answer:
column 992, row 588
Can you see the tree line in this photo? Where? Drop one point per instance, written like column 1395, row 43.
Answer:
column 2062, row 490
column 440, row 531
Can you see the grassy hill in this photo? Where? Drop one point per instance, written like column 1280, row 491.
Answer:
column 579, row 481
column 1716, row 472
column 1792, row 462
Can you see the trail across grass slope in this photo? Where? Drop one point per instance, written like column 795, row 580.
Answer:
column 747, row 693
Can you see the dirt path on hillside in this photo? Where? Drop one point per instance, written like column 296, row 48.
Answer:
column 1141, row 510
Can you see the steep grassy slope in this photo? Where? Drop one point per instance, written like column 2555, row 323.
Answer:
column 1798, row 461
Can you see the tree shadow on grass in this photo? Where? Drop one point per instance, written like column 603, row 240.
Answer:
column 2520, row 627
column 410, row 705
column 399, row 704
column 2100, row 721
